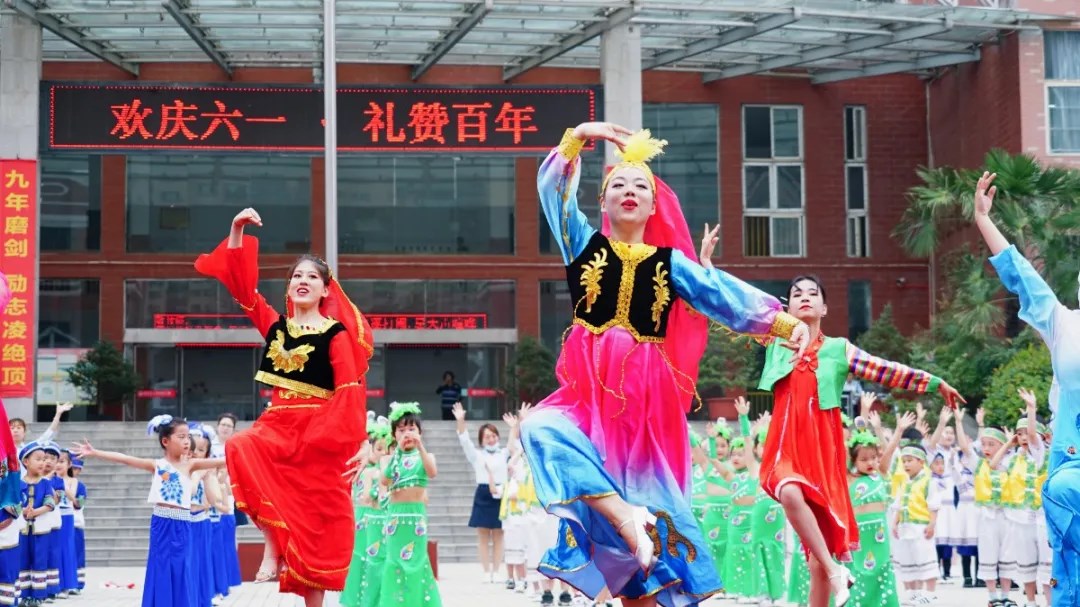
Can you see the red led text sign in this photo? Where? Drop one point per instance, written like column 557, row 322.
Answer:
column 18, row 260
column 378, row 321
column 457, row 322
column 290, row 119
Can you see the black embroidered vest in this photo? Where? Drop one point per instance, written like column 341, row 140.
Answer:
column 298, row 361
column 615, row 284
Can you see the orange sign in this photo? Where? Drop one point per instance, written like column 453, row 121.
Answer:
column 18, row 260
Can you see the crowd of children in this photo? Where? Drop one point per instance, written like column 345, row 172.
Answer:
column 918, row 497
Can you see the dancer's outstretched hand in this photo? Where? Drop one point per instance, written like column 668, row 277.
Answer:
column 984, row 193
column 950, row 395
column 608, row 131
column 708, row 243
column 83, row 449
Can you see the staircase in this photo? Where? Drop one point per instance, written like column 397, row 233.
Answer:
column 118, row 516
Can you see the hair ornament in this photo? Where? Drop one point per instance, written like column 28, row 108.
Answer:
column 915, row 452
column 723, row 430
column 863, row 438
column 639, row 149
column 738, row 443
column 157, row 422
column 400, row 410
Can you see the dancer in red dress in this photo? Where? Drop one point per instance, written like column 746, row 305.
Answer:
column 286, row 469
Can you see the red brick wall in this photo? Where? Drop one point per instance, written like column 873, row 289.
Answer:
column 896, row 113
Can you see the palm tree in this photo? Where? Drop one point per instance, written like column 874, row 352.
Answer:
column 1036, row 208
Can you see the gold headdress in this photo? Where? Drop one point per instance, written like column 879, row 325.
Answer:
column 639, row 150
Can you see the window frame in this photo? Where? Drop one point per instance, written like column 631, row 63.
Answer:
column 861, row 216
column 1048, row 84
column 774, row 212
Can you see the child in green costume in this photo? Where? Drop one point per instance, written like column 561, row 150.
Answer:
column 366, row 510
column 767, row 530
column 407, row 578
column 739, row 574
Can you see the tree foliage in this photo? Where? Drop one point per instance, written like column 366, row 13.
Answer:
column 104, row 375
column 730, row 362
column 1029, row 368
column 531, row 375
column 884, row 339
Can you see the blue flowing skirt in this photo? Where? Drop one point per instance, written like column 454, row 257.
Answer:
column 230, row 554
column 589, row 554
column 167, row 564
column 202, row 541
column 69, row 568
column 221, row 577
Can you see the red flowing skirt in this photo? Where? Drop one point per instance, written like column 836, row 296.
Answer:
column 805, row 445
column 292, row 489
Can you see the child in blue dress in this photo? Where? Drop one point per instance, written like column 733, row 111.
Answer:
column 65, row 537
column 33, row 544
column 169, row 582
column 53, row 520
column 80, row 522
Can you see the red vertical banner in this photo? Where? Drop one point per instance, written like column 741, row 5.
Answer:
column 18, row 261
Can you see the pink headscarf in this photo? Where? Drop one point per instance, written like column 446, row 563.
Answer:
column 687, row 329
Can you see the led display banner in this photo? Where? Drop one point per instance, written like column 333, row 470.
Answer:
column 128, row 117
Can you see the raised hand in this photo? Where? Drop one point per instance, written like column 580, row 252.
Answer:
column 708, row 243
column 950, row 395
column 247, row 217
column 524, row 411
column 1010, row 437
column 944, row 417
column 980, row 417
column 984, row 193
column 866, row 403
column 64, row 408
column 1029, row 398
column 607, row 131
column 710, row 430
column 920, row 411
column 922, row 427
column 459, row 412
column 510, row 420
column 875, row 420
column 905, row 421
column 742, row 406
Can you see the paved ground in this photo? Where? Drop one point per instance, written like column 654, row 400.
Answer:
column 460, row 587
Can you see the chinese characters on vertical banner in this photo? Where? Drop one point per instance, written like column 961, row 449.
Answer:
column 18, row 218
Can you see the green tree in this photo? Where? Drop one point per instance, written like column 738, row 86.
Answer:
column 730, row 362
column 531, row 376
column 104, row 375
column 1029, row 368
column 1036, row 208
column 884, row 339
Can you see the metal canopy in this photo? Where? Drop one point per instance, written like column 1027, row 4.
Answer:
column 826, row 40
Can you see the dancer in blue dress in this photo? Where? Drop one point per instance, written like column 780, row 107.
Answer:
column 1059, row 327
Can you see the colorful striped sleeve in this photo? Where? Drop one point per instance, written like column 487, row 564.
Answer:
column 887, row 373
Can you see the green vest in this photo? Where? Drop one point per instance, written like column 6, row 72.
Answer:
column 831, row 373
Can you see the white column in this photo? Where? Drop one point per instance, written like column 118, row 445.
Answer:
column 620, row 73
column 20, row 80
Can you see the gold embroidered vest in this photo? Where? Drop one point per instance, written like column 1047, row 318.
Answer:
column 616, row 284
column 299, row 360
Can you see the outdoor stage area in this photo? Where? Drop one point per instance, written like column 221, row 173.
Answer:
column 458, row 584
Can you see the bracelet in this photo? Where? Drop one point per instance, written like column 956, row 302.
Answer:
column 783, row 325
column 570, row 146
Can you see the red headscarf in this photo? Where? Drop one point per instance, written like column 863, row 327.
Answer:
column 687, row 329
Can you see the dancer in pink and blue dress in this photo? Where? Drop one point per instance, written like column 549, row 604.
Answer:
column 1059, row 327
column 627, row 372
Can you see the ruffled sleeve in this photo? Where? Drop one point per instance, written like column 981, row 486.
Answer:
column 557, row 183
column 238, row 270
column 729, row 301
column 1038, row 303
column 344, row 417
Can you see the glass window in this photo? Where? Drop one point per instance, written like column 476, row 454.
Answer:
column 68, row 315
column 427, row 205
column 556, row 313
column 185, row 203
column 200, row 303
column 789, row 187
column 757, row 132
column 689, row 165
column 858, row 308
column 70, row 202
column 758, row 194
column 773, row 197
column 1061, row 52
column 392, row 299
column 159, row 369
column 855, row 178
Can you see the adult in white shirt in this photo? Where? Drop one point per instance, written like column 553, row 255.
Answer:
column 489, row 461
column 18, row 430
